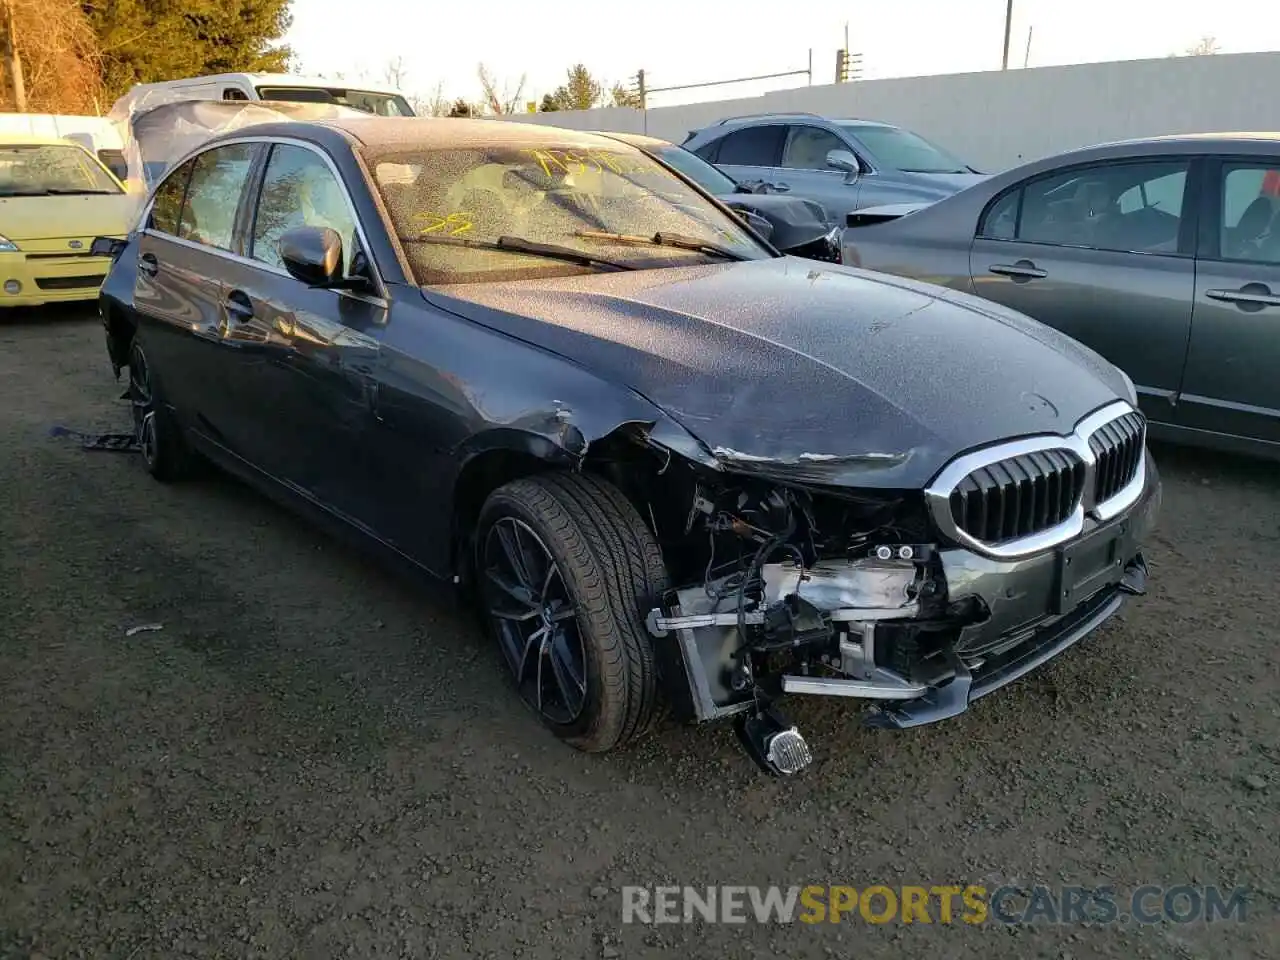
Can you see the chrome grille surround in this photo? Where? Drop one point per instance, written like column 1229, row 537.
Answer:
column 1085, row 443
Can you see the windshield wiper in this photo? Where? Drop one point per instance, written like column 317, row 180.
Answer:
column 520, row 245
column 661, row 239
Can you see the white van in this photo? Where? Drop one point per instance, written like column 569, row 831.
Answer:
column 368, row 98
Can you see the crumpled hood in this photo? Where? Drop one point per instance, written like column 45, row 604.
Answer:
column 79, row 215
column 817, row 372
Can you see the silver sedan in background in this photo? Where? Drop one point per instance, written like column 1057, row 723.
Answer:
column 1163, row 255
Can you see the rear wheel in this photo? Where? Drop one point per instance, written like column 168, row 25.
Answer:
column 567, row 571
column 164, row 450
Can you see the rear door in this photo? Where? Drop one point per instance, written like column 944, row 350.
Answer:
column 805, row 170
column 1104, row 253
column 179, row 290
column 1232, row 383
column 750, row 154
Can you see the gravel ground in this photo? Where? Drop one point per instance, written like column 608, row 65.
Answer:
column 315, row 759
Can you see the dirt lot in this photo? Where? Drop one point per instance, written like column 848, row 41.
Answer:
column 315, row 759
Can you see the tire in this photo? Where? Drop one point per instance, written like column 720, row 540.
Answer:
column 165, row 453
column 603, row 572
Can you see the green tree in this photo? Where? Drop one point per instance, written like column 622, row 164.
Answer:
column 623, row 97
column 461, row 108
column 549, row 103
column 581, row 91
column 146, row 41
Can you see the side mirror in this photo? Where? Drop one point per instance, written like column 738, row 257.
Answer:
column 107, row 247
column 846, row 161
column 313, row 255
column 755, row 221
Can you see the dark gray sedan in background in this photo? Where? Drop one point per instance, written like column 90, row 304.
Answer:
column 1161, row 254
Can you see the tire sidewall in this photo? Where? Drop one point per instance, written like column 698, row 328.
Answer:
column 502, row 505
column 157, row 456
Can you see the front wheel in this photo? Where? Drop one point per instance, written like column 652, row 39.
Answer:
column 567, row 571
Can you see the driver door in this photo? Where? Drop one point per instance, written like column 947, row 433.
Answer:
column 306, row 360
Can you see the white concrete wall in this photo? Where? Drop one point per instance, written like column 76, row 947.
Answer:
column 997, row 119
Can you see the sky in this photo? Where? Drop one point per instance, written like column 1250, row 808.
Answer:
column 685, row 42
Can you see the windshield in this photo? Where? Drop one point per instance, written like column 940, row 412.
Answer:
column 382, row 104
column 618, row 205
column 698, row 170
column 37, row 169
column 904, row 150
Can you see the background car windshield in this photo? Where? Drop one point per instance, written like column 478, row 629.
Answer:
column 905, row 151
column 547, row 195
column 382, row 104
column 698, row 170
column 41, row 169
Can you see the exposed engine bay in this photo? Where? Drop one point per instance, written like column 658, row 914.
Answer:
column 804, row 589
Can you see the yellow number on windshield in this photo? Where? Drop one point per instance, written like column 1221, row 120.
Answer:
column 450, row 224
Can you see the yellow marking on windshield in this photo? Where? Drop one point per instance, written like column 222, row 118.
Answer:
column 566, row 162
column 450, row 224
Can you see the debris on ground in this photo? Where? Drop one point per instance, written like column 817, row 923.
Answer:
column 113, row 442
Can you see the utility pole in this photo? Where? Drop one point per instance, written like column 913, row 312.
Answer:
column 1026, row 57
column 12, row 59
column 1008, row 25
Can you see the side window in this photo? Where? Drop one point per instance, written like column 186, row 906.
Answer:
column 299, row 190
column 213, row 195
column 1126, row 207
column 753, row 147
column 1001, row 221
column 1250, row 227
column 708, row 150
column 807, row 148
column 167, row 206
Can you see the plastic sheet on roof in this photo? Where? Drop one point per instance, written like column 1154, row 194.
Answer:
column 160, row 128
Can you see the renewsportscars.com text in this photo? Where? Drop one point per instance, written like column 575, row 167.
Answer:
column 944, row 904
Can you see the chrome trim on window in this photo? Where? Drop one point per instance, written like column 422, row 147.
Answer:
column 938, row 493
column 381, row 294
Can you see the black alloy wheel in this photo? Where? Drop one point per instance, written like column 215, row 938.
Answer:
column 566, row 571
column 535, row 619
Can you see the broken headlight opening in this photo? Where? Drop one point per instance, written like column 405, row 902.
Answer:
column 801, row 590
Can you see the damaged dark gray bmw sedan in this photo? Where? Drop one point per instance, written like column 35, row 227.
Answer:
column 671, row 467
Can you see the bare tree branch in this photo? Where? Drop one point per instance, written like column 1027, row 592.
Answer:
column 499, row 101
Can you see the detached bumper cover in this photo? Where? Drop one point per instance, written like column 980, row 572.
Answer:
column 1013, row 592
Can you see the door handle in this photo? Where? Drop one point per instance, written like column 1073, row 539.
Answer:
column 148, row 265
column 1259, row 297
column 1020, row 271
column 781, row 187
column 238, row 306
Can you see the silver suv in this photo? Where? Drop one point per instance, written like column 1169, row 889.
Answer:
column 844, row 165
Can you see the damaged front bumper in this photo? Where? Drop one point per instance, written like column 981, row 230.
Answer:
column 1024, row 612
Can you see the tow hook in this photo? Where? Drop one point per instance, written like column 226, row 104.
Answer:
column 773, row 742
column 1134, row 581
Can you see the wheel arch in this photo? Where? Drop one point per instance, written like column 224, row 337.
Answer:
column 498, row 456
column 120, row 333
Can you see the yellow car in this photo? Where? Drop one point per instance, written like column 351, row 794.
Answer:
column 55, row 197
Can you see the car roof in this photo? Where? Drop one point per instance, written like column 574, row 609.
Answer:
column 635, row 139
column 45, row 139
column 1171, row 144
column 386, row 133
column 272, row 79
